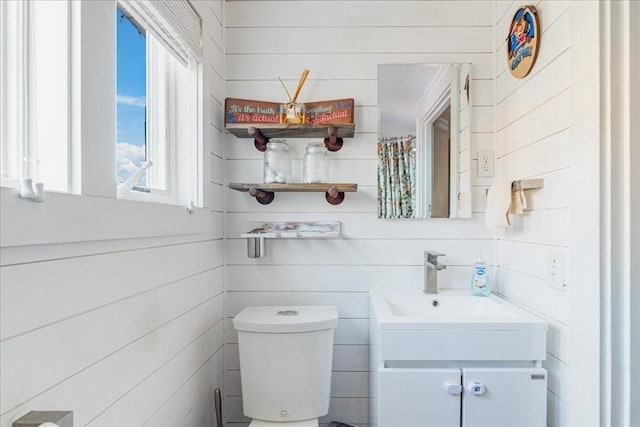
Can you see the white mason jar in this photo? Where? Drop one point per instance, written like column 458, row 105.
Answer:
column 315, row 164
column 277, row 162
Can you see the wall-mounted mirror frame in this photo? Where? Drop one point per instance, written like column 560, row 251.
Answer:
column 420, row 100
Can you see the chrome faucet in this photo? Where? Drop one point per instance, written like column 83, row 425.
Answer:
column 431, row 267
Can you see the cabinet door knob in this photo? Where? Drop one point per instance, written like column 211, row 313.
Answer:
column 454, row 389
column 477, row 389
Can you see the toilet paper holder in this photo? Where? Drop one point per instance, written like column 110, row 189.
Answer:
column 46, row 419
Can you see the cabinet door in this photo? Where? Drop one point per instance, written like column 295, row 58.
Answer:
column 418, row 398
column 504, row 397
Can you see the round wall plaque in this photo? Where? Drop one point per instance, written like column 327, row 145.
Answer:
column 523, row 41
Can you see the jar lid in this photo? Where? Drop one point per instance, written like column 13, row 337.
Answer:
column 277, row 143
column 316, row 146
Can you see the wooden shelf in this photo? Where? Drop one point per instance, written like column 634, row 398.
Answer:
column 264, row 193
column 292, row 131
column 333, row 134
column 261, row 120
column 296, row 187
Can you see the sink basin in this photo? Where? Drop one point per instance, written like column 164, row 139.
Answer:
column 451, row 310
column 453, row 325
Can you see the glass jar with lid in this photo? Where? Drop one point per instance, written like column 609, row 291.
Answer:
column 315, row 164
column 277, row 162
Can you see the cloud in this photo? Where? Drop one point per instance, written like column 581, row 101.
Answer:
column 130, row 157
column 134, row 101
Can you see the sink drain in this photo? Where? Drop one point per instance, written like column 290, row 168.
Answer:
column 435, row 303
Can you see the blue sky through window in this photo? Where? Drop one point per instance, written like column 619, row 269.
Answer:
column 131, row 97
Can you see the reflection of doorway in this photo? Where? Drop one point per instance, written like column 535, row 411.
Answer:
column 441, row 164
column 436, row 115
column 433, row 149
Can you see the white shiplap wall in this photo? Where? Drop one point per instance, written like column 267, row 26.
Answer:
column 533, row 139
column 122, row 324
column 342, row 43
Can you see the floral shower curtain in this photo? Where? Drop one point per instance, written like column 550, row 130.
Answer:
column 396, row 177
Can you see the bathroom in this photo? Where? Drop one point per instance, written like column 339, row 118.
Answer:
column 121, row 310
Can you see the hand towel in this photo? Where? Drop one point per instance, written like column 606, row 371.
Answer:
column 498, row 204
column 523, row 199
column 516, row 203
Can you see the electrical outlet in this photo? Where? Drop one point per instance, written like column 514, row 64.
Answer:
column 555, row 270
column 485, row 163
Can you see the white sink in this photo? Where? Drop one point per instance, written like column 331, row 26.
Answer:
column 448, row 310
column 455, row 359
column 453, row 325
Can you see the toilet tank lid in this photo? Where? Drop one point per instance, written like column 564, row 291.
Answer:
column 286, row 319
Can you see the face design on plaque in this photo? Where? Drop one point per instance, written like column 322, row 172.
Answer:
column 523, row 41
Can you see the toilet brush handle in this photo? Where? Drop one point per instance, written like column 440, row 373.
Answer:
column 217, row 400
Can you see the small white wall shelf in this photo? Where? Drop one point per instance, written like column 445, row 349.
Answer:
column 256, row 243
column 295, row 230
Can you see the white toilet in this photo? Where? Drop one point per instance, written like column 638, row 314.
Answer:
column 285, row 363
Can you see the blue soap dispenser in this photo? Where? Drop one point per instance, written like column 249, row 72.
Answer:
column 480, row 280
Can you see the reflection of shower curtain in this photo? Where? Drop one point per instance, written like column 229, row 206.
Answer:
column 396, row 177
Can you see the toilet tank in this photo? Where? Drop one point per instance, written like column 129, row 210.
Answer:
column 285, row 361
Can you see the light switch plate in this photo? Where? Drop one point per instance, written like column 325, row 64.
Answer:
column 555, row 270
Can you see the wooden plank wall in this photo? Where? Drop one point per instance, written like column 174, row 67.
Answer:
column 342, row 43
column 126, row 330
column 533, row 140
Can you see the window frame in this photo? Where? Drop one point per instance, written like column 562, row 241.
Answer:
column 11, row 168
column 171, row 179
column 92, row 214
column 20, row 151
column 88, row 164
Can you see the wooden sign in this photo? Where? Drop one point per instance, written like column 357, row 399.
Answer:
column 330, row 112
column 523, row 41
column 250, row 112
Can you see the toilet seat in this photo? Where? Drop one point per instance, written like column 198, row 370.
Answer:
column 303, row 423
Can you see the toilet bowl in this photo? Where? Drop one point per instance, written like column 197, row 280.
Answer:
column 285, row 363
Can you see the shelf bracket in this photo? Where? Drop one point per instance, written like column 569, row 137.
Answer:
column 263, row 197
column 265, row 192
column 332, row 142
column 333, row 196
column 259, row 139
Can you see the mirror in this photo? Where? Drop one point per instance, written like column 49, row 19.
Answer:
column 424, row 141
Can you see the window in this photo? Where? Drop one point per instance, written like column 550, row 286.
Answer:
column 35, row 93
column 158, row 101
column 131, row 98
column 158, row 97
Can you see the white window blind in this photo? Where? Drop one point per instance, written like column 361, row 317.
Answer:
column 174, row 22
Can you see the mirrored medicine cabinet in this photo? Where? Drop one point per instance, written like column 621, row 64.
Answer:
column 424, row 141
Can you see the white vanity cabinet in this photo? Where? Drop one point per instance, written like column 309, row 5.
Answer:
column 511, row 397
column 452, row 371
column 473, row 397
column 408, row 397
